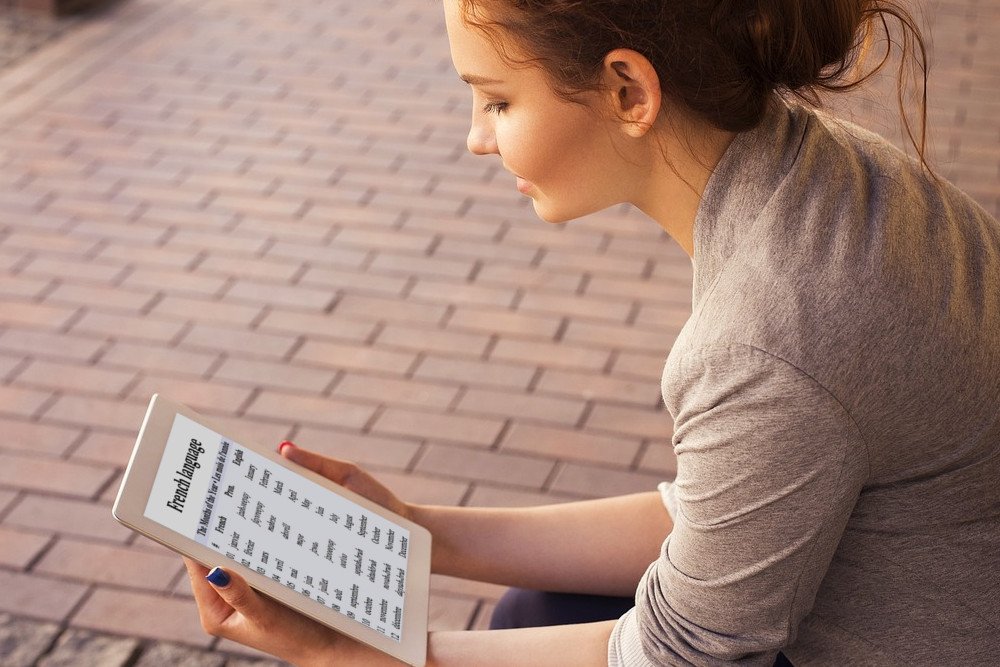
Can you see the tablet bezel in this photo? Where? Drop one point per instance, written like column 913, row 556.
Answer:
column 133, row 494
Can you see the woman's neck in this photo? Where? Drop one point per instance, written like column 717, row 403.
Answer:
column 674, row 179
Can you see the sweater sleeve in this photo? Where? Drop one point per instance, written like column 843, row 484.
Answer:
column 769, row 467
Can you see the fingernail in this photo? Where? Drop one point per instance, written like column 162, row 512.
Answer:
column 218, row 577
column 286, row 443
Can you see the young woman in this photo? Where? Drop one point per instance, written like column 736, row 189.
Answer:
column 835, row 392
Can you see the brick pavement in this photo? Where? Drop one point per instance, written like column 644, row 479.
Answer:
column 266, row 210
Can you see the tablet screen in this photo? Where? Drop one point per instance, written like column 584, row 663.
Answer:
column 282, row 525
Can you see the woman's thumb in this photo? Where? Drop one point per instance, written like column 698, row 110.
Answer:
column 237, row 593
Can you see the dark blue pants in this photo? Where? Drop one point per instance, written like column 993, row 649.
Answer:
column 520, row 608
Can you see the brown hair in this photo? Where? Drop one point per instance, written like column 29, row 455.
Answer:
column 721, row 59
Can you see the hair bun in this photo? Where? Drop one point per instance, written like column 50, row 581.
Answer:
column 789, row 43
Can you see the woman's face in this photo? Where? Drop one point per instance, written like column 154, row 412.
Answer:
column 563, row 154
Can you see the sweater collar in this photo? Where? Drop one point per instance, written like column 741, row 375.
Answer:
column 743, row 181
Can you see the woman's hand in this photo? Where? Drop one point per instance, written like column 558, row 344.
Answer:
column 348, row 475
column 237, row 612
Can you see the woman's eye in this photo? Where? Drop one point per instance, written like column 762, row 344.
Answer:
column 495, row 107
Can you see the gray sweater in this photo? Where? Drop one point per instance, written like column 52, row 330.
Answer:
column 835, row 395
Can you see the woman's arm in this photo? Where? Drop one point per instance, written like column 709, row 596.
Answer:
column 594, row 546
column 230, row 608
column 591, row 546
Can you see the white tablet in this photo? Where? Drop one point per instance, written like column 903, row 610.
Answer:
column 294, row 535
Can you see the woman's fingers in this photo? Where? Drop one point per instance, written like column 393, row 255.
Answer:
column 213, row 610
column 335, row 470
column 237, row 594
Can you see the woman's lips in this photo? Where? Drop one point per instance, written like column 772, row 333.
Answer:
column 523, row 186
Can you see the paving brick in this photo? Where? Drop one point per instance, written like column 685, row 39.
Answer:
column 593, row 264
column 212, row 311
column 588, row 385
column 160, row 654
column 96, row 413
column 320, row 255
column 442, row 291
column 51, row 243
column 295, row 296
column 388, row 310
column 467, row 463
column 448, row 613
column 38, row 597
column 433, row 340
column 482, row 620
column 238, row 341
column 244, row 656
column 282, row 375
column 489, row 495
column 472, row 249
column 107, row 448
column 100, row 297
column 142, row 615
column 128, row 327
column 273, row 269
column 79, row 647
column 663, row 318
column 149, row 255
column 208, row 396
column 47, row 345
column 7, row 499
column 494, row 374
column 558, row 355
column 655, row 424
column 18, row 548
column 108, row 564
column 22, row 402
column 422, row 266
column 569, row 444
column 74, row 377
column 356, row 357
column 394, row 239
column 392, row 391
column 354, row 282
column 23, row 313
column 220, row 242
column 54, row 475
column 618, row 336
column 166, row 360
column 661, row 459
column 550, row 409
column 646, row 365
column 316, row 325
column 457, row 587
column 581, row 480
column 175, row 282
column 481, row 431
column 530, row 278
column 303, row 409
column 511, row 323
column 37, row 438
column 22, row 287
column 22, row 640
column 678, row 293
column 65, row 516
column 589, row 308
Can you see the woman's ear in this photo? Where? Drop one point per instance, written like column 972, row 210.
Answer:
column 634, row 88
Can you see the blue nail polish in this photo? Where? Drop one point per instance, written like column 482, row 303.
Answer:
column 218, row 577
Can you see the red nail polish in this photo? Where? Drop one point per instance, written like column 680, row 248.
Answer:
column 284, row 444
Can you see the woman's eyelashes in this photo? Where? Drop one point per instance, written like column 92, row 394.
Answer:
column 495, row 107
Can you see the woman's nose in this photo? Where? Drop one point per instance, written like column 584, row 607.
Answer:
column 481, row 140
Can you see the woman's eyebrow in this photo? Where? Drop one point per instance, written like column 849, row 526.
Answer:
column 475, row 80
